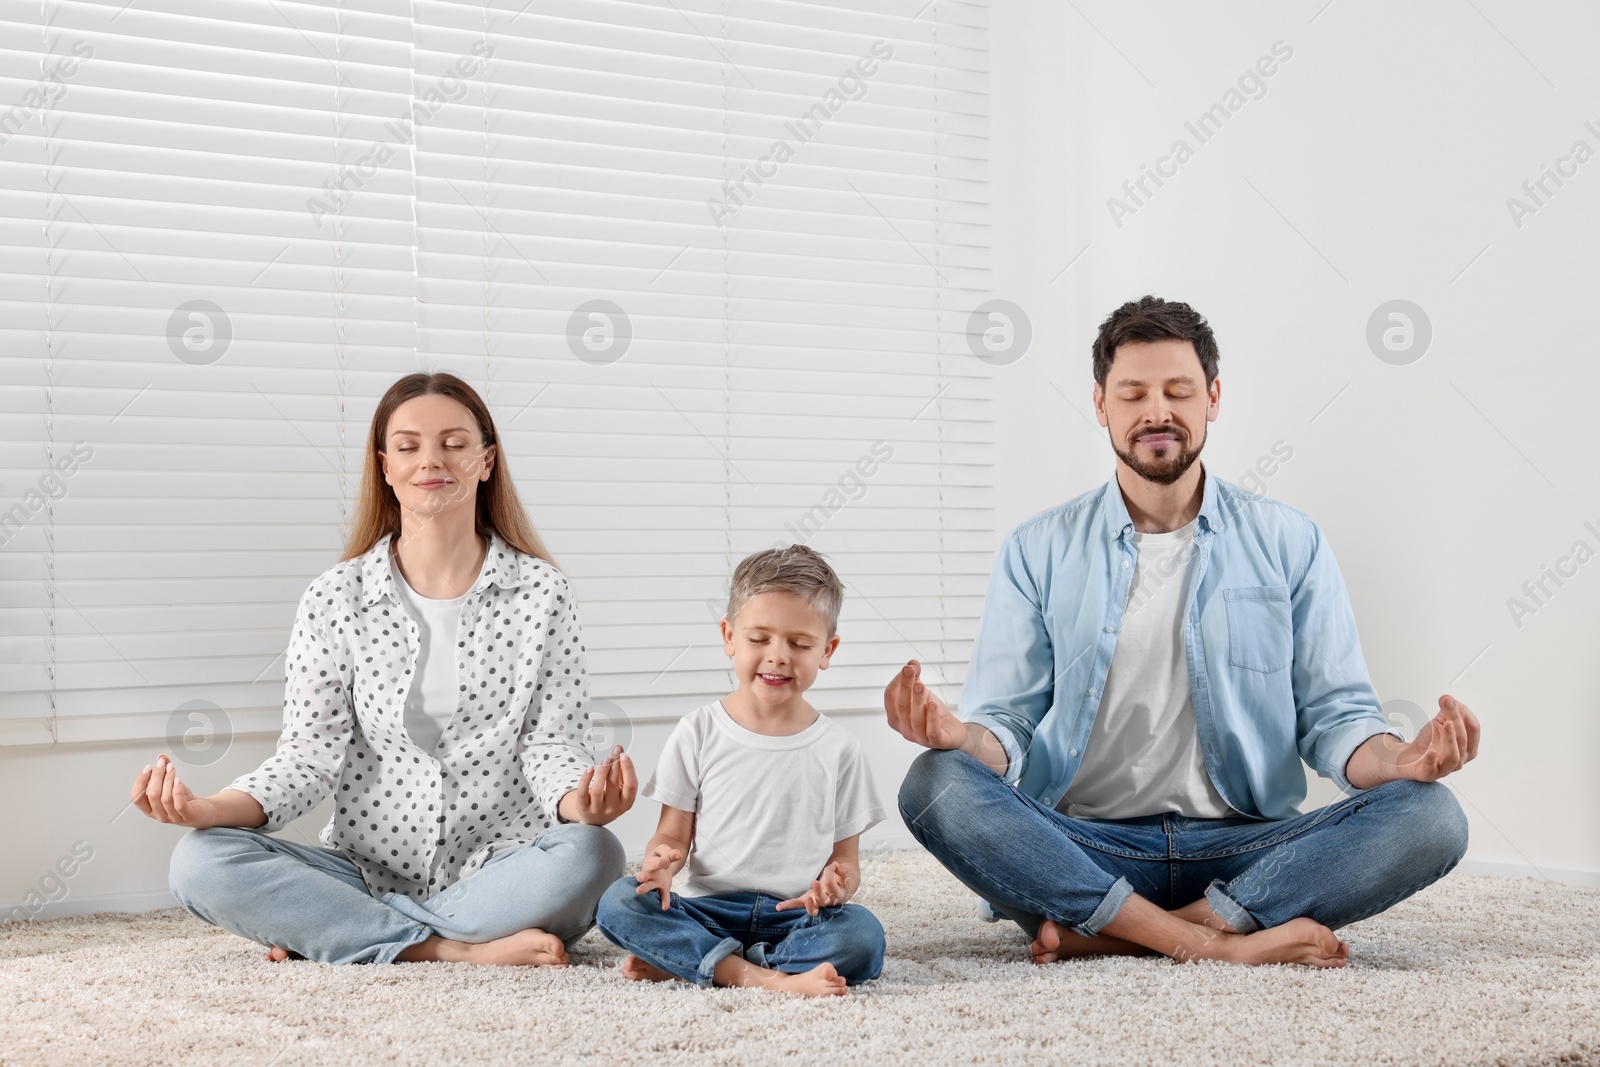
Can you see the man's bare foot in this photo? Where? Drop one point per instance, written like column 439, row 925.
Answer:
column 820, row 981
column 1199, row 912
column 525, row 948
column 278, row 955
column 637, row 970
column 1303, row 941
column 1057, row 942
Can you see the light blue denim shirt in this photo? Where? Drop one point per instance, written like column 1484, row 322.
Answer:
column 1275, row 666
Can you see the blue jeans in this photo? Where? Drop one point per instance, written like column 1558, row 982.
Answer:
column 1337, row 865
column 313, row 900
column 694, row 934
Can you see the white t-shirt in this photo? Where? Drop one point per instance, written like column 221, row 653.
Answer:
column 434, row 695
column 1143, row 755
column 767, row 809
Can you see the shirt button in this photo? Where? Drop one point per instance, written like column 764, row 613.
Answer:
column 1124, row 563
column 1109, row 629
column 1074, row 752
column 1049, row 802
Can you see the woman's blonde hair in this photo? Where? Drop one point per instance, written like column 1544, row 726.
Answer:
column 499, row 510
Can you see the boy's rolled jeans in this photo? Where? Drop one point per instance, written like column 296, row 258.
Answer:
column 694, row 934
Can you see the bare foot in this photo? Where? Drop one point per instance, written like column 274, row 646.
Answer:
column 820, row 981
column 1304, row 941
column 1057, row 942
column 525, row 948
column 278, row 955
column 637, row 970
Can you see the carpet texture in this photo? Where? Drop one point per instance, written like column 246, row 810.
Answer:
column 1472, row 971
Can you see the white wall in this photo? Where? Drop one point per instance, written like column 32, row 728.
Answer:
column 1376, row 167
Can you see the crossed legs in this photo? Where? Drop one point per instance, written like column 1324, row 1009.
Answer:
column 1290, row 883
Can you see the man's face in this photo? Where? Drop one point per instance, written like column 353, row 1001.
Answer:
column 1156, row 406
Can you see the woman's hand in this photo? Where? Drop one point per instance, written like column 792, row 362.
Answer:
column 159, row 794
column 603, row 792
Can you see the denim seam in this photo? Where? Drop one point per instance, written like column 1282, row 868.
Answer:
column 1040, row 909
column 1073, row 836
column 708, row 965
column 1107, row 910
column 1324, row 814
column 392, row 951
column 1229, row 910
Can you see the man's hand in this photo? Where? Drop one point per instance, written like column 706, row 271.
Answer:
column 603, row 792
column 656, row 872
column 829, row 891
column 918, row 715
column 1446, row 743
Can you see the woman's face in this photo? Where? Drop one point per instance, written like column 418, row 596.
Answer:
column 434, row 456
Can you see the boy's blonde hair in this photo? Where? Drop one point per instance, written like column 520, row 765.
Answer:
column 797, row 570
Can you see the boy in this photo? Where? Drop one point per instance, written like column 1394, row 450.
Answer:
column 767, row 799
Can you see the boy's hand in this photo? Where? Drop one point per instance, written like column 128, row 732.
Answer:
column 656, row 873
column 603, row 792
column 829, row 891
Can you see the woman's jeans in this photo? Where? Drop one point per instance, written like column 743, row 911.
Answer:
column 1337, row 865
column 694, row 934
column 313, row 900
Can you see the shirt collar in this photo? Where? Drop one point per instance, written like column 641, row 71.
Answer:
column 502, row 567
column 1117, row 519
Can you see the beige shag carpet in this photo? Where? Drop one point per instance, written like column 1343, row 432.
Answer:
column 1472, row 971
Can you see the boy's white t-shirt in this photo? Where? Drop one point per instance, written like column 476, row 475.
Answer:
column 767, row 809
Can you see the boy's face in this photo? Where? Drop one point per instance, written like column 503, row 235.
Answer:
column 778, row 644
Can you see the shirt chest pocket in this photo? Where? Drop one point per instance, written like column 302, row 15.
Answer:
column 1260, row 628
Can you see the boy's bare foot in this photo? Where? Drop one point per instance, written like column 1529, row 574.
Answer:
column 820, row 981
column 637, row 970
column 278, row 955
column 525, row 948
column 1057, row 942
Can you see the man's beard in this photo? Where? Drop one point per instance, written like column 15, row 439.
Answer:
column 1167, row 465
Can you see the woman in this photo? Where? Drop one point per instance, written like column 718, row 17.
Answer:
column 436, row 689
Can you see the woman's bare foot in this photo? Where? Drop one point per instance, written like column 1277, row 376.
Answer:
column 1057, row 942
column 637, row 970
column 278, row 955
column 525, row 948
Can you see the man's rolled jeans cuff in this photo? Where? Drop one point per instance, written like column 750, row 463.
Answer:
column 1228, row 910
column 1119, row 892
column 728, row 946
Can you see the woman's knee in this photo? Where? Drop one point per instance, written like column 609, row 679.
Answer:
column 200, row 859
column 598, row 858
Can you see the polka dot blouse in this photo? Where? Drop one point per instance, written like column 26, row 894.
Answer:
column 417, row 822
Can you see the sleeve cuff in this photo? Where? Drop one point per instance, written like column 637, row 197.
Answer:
column 1008, row 742
column 1343, row 744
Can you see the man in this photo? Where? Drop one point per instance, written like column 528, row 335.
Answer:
column 1154, row 659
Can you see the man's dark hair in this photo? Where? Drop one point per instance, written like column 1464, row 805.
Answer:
column 1151, row 318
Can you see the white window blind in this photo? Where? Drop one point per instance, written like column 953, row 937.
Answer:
column 793, row 361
